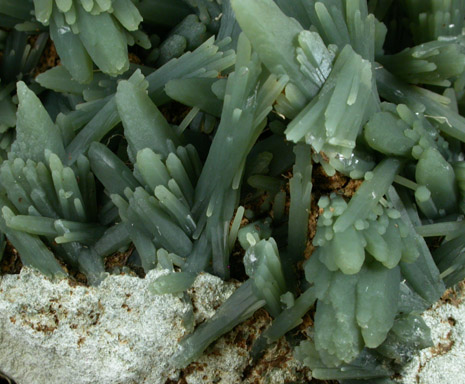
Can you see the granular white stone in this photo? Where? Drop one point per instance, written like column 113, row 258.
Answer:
column 119, row 332
column 208, row 292
column 52, row 332
column 226, row 365
column 228, row 360
column 444, row 363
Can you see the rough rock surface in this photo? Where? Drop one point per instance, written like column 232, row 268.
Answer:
column 57, row 332
column 116, row 333
column 444, row 363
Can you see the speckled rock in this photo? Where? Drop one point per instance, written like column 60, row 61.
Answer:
column 443, row 363
column 228, row 360
column 207, row 293
column 59, row 332
column 52, row 332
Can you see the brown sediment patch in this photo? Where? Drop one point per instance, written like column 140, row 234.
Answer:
column 118, row 259
column 10, row 263
column 174, row 112
column 49, row 58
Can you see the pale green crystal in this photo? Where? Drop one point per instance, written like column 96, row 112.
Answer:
column 144, row 125
column 377, row 298
column 332, row 121
column 35, row 131
column 275, row 37
column 438, row 176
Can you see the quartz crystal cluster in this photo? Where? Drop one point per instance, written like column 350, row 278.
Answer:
column 313, row 149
